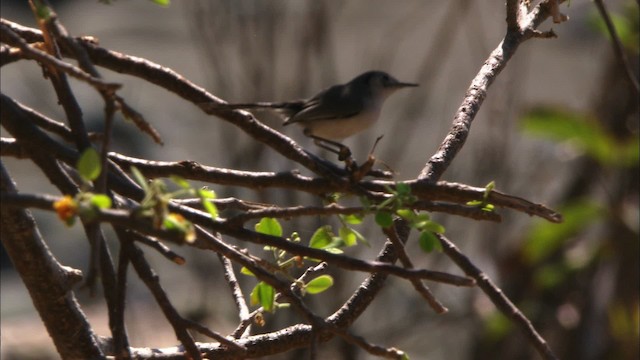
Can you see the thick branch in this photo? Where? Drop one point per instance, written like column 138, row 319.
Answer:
column 49, row 283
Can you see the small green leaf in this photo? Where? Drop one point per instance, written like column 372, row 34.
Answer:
column 488, row 207
column 403, row 189
column 353, row 219
column 88, row 165
column 264, row 295
column 406, row 214
column 140, row 179
column 545, row 238
column 488, row 189
column 490, row 186
column 348, row 236
column 205, row 198
column 101, row 201
column 207, row 194
column 175, row 222
column 180, row 181
column 211, row 208
column 246, row 271
column 361, row 238
column 474, row 203
column 319, row 284
column 43, row 12
column 269, row 226
column 164, row 3
column 431, row 226
column 429, row 242
column 321, row 238
column 384, row 219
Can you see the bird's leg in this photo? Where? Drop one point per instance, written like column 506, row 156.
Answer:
column 359, row 172
column 343, row 152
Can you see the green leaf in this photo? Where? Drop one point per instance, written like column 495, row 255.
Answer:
column 180, row 181
column 551, row 276
column 497, row 326
column 88, row 165
column 264, row 295
column 583, row 133
column 319, row 284
column 384, row 219
column 429, row 242
column 348, row 236
column 321, row 238
column 269, row 226
column 207, row 194
column 359, row 237
column 164, row 3
column 43, row 12
column 626, row 26
column 403, row 189
column 139, row 178
column 205, row 198
column 244, row 270
column 488, row 207
column 211, row 208
column 175, row 222
column 101, row 201
column 545, row 238
column 406, row 214
column 431, row 226
column 353, row 219
column 488, row 189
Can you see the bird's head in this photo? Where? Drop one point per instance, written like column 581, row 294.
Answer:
column 380, row 83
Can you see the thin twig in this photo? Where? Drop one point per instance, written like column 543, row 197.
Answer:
column 118, row 330
column 421, row 288
column 618, row 49
column 496, row 295
column 159, row 247
column 29, row 52
column 238, row 297
column 152, row 282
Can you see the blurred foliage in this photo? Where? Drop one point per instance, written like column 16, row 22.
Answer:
column 583, row 133
column 625, row 23
column 545, row 238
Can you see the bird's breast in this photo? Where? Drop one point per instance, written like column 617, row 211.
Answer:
column 338, row 129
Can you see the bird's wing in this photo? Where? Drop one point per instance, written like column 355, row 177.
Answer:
column 334, row 102
column 286, row 108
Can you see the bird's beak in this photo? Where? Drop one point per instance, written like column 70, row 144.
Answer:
column 402, row 84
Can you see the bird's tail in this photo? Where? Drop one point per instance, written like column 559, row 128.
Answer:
column 286, row 108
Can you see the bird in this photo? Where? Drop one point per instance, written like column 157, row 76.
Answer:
column 336, row 112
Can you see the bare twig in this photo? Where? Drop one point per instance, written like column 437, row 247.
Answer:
column 29, row 52
column 496, row 295
column 116, row 321
column 421, row 288
column 49, row 283
column 159, row 247
column 520, row 28
column 238, row 297
column 618, row 49
column 152, row 282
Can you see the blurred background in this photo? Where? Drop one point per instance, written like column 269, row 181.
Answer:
column 559, row 127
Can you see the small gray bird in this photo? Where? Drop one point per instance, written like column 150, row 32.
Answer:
column 338, row 111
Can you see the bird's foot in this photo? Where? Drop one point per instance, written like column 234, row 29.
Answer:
column 356, row 173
